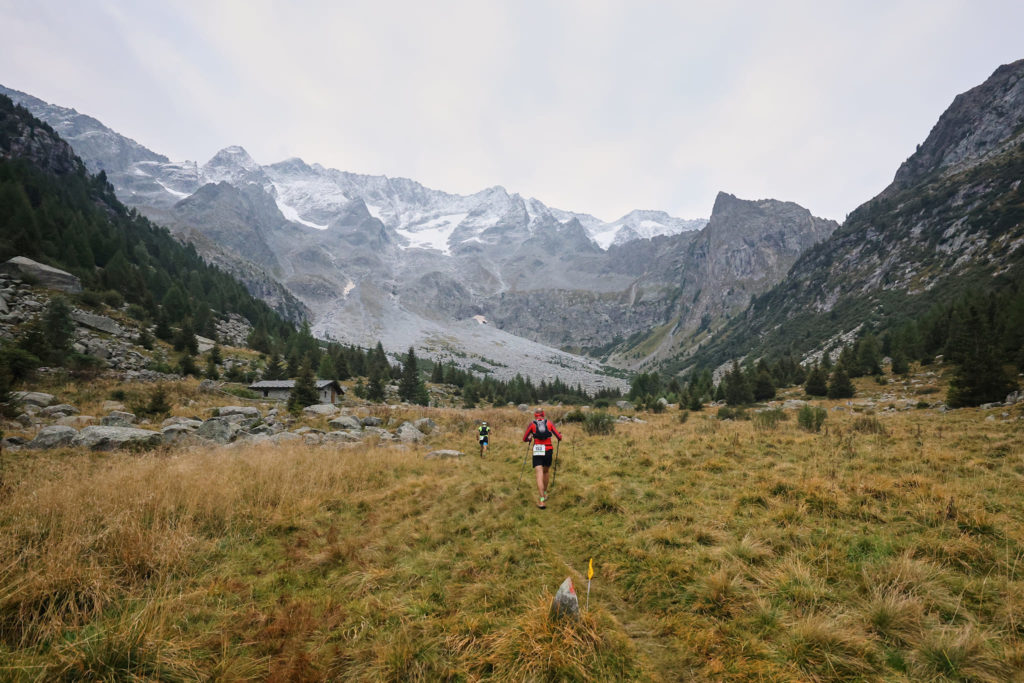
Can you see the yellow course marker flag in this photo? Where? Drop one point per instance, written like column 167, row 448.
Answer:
column 590, row 575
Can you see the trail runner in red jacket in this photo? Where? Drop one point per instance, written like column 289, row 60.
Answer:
column 540, row 432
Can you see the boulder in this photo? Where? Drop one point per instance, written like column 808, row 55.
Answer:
column 208, row 386
column 325, row 409
column 624, row 405
column 566, row 604
column 407, row 433
column 186, row 421
column 371, row 421
column 176, row 433
column 523, row 408
column 425, row 425
column 46, row 276
column 53, row 436
column 76, row 421
column 444, row 454
column 794, row 404
column 285, row 436
column 60, row 410
column 119, row 418
column 1014, row 398
column 345, row 422
column 204, row 344
column 343, row 437
column 33, row 398
column 382, row 434
column 109, row 406
column 100, row 323
column 663, row 402
column 244, row 411
column 218, row 430
column 111, row 438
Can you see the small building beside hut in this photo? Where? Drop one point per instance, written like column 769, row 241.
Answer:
column 328, row 390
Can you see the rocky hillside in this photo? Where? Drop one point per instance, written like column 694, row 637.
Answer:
column 952, row 219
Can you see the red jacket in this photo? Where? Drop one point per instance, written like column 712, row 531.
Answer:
column 532, row 430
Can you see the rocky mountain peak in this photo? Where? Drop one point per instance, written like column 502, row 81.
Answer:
column 231, row 164
column 979, row 122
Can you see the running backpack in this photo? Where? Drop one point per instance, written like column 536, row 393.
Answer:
column 540, row 430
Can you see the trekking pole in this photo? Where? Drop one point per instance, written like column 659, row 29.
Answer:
column 529, row 445
column 554, row 465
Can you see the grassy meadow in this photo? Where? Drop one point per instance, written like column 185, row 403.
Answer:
column 889, row 546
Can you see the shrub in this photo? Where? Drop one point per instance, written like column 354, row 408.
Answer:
column 869, row 425
column 730, row 413
column 598, row 422
column 769, row 419
column 811, row 418
column 113, row 299
column 684, row 416
column 576, row 415
column 602, row 403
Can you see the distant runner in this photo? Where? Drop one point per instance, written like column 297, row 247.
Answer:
column 540, row 431
column 483, row 436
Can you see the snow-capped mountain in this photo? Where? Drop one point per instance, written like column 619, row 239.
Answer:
column 374, row 257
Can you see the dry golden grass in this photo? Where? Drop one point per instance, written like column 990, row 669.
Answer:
column 888, row 548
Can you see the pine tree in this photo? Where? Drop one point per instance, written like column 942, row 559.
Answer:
column 59, row 328
column 375, row 385
column 187, row 365
column 326, row 369
column 211, row 368
column 275, row 369
column 764, row 387
column 409, row 383
column 737, row 387
column 303, row 392
column 817, row 382
column 839, row 385
column 980, row 377
column 437, row 374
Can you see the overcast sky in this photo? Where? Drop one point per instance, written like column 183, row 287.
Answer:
column 597, row 106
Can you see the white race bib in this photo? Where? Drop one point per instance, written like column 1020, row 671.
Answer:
column 539, row 449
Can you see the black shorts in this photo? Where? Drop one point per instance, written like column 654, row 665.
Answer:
column 543, row 460
column 483, row 440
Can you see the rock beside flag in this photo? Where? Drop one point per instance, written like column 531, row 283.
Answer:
column 565, row 604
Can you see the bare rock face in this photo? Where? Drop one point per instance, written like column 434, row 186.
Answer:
column 47, row 276
column 34, row 398
column 566, row 604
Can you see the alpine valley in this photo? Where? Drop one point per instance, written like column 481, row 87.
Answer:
column 492, row 280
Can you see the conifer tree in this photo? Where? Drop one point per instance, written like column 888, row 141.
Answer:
column 59, row 328
column 375, row 385
column 764, row 387
column 437, row 374
column 817, row 381
column 839, row 385
column 409, row 384
column 737, row 387
column 275, row 368
column 303, row 392
column 979, row 377
column 326, row 369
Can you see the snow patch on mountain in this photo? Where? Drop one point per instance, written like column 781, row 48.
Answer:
column 433, row 234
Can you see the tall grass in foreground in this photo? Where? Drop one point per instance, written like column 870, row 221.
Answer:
column 889, row 548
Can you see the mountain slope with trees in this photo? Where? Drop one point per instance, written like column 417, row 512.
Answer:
column 941, row 248
column 52, row 210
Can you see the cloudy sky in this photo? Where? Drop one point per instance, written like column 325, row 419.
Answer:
column 597, row 106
